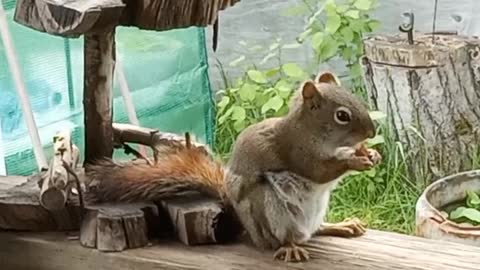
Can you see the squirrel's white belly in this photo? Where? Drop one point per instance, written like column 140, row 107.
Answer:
column 315, row 205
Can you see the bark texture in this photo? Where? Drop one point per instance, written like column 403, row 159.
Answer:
column 431, row 93
column 97, row 97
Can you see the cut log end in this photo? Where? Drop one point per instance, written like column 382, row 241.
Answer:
column 111, row 228
column 53, row 199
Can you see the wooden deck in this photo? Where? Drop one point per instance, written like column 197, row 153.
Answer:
column 376, row 250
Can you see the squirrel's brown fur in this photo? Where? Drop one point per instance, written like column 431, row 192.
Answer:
column 185, row 171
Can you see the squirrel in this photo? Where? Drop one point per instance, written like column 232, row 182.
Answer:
column 278, row 180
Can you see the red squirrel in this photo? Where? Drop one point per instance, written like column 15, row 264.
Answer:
column 278, row 180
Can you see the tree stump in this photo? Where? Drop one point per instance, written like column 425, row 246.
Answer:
column 116, row 227
column 431, row 93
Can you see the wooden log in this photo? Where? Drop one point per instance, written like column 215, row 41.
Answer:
column 57, row 182
column 20, row 209
column 373, row 251
column 432, row 96
column 161, row 143
column 116, row 227
column 198, row 220
column 99, row 60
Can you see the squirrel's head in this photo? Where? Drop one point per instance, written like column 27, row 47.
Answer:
column 337, row 114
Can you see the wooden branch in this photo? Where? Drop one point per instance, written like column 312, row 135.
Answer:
column 55, row 186
column 116, row 227
column 198, row 220
column 98, row 73
column 20, row 209
column 374, row 251
column 161, row 142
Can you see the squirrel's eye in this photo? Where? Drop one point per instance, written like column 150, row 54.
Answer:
column 342, row 116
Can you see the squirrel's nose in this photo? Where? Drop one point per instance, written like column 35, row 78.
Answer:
column 370, row 134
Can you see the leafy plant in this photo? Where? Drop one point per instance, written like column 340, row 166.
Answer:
column 470, row 212
column 260, row 93
column 336, row 28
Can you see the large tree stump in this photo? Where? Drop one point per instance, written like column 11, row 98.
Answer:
column 431, row 94
column 99, row 67
column 116, row 227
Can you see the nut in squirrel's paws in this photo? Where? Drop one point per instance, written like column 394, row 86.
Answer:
column 364, row 158
column 291, row 253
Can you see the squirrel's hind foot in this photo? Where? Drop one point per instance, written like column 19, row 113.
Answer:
column 348, row 228
column 291, row 253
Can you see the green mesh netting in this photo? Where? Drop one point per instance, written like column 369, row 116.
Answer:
column 166, row 73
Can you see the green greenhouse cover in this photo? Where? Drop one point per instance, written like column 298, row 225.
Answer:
column 167, row 74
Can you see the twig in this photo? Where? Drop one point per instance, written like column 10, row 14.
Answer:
column 79, row 187
column 434, row 21
column 130, row 150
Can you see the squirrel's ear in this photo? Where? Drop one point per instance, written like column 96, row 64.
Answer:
column 309, row 90
column 327, row 77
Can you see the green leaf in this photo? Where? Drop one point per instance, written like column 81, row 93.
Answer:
column 224, row 102
column 257, row 76
column 275, row 103
column 283, row 86
column 342, row 8
column 374, row 25
column 347, row 34
column 282, row 112
column 225, row 116
column 238, row 113
column 333, row 23
column 354, row 14
column 463, row 212
column 239, row 125
column 293, row 70
column 247, row 92
column 378, row 139
column 317, row 40
column 237, row 61
column 377, row 115
column 328, row 49
column 363, row 4
column 272, row 72
column 347, row 53
column 473, row 200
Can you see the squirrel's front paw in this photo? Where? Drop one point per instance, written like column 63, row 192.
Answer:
column 351, row 227
column 360, row 163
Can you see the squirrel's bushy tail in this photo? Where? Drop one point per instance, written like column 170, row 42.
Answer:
column 177, row 174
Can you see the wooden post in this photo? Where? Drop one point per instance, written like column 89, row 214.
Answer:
column 99, row 51
column 431, row 93
column 55, row 186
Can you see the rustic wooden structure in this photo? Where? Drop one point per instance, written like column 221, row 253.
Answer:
column 117, row 227
column 57, row 182
column 374, row 251
column 431, row 93
column 113, row 227
column 97, row 20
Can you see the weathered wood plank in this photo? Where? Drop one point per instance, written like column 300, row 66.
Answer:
column 374, row 251
column 74, row 18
